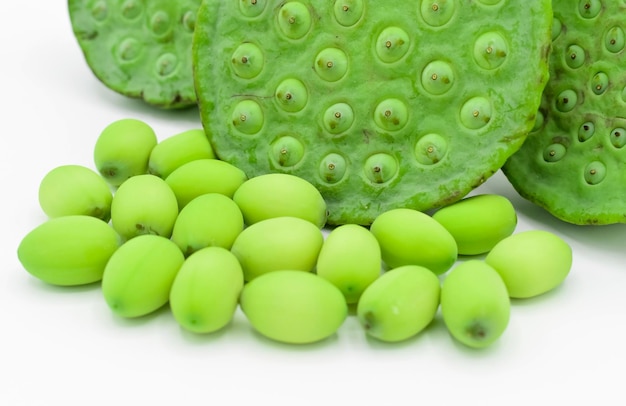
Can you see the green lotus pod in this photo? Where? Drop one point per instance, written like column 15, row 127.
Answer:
column 475, row 304
column 280, row 195
column 293, row 307
column 410, row 237
column 399, row 304
column 75, row 190
column 122, row 150
column 204, row 176
column 378, row 106
column 531, row 262
column 69, row 250
column 138, row 277
column 572, row 164
column 139, row 48
column 479, row 222
column 276, row 244
column 205, row 293
column 177, row 150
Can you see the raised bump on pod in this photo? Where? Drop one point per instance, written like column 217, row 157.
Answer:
column 438, row 77
column 490, row 50
column 554, row 152
column 177, row 150
column 431, row 149
column 391, row 114
column 100, row 11
column 189, row 21
column 589, row 8
column 476, row 113
column 131, row 9
column 287, row 151
column 331, row 64
column 338, row 118
column 540, row 120
column 437, row 13
column 575, row 56
column 248, row 117
column 292, row 95
column 586, row 131
column 128, row 50
column 294, row 19
column 333, row 168
column 615, row 39
column 595, row 172
column 252, row 8
column 380, row 168
column 566, row 101
column 248, row 60
column 618, row 137
column 599, row 83
column 161, row 24
column 557, row 28
column 348, row 12
column 167, row 64
column 392, row 44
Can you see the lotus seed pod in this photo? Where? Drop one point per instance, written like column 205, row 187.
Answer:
column 210, row 220
column 410, row 237
column 278, row 243
column 139, row 48
column 475, row 304
column 177, row 150
column 374, row 105
column 75, row 190
column 138, row 277
column 573, row 164
column 122, row 150
column 479, row 222
column 280, row 195
column 68, row 250
column 350, row 259
column 531, row 262
column 293, row 307
column 204, row 176
column 400, row 303
column 144, row 204
column 205, row 293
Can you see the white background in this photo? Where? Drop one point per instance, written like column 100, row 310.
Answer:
column 64, row 346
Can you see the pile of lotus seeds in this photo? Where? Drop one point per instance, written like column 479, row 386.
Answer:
column 167, row 223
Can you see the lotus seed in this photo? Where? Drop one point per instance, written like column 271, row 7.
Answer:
column 294, row 20
column 595, row 173
column 437, row 14
column 338, row 118
column 437, row 77
column 167, row 64
column 575, row 56
column 248, row 117
column 618, row 137
column 615, row 40
column 490, row 50
column 586, row 131
column 348, row 12
column 391, row 114
column 252, row 8
column 554, row 153
column 381, row 168
column 333, row 168
column 393, row 43
column 248, row 61
column 566, row 101
column 100, row 11
column 287, row 151
column 291, row 95
column 599, row 83
column 131, row 9
column 476, row 113
column 431, row 149
column 331, row 64
column 589, row 8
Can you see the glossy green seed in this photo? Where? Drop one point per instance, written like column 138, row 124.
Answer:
column 100, row 11
column 291, row 95
column 177, row 150
column 554, row 152
column 615, row 40
column 586, row 131
column 392, row 44
column 589, row 8
column 381, row 168
column 437, row 77
column 294, row 19
column 287, row 151
column 333, row 168
column 566, row 101
column 293, row 307
column 437, row 13
column 129, row 50
column 252, row 8
column 490, row 50
column 557, row 28
column 431, row 149
column 338, row 118
column 160, row 24
column 166, row 64
column 575, row 56
column 391, row 115
column 189, row 21
column 599, row 83
column 205, row 293
column 248, row 117
column 348, row 12
column 595, row 172
column 618, row 137
column 331, row 64
column 531, row 262
column 131, row 9
column 69, row 250
column 476, row 113
column 248, row 60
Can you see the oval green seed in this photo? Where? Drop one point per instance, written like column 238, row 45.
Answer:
column 205, row 292
column 589, row 8
column 599, row 83
column 331, row 64
column 391, row 114
column 615, row 40
column 348, row 12
column 248, row 117
column 586, row 131
column 381, row 168
column 287, row 151
column 595, row 172
column 131, row 9
column 294, row 19
column 531, row 262
column 392, row 44
column 291, row 95
column 476, row 113
column 338, row 118
column 618, row 137
column 252, row 8
column 437, row 13
column 554, row 152
column 248, row 60
column 490, row 50
column 431, row 149
column 333, row 168
column 293, row 307
column 575, row 56
column 69, row 250
column 566, row 101
column 177, row 150
column 437, row 77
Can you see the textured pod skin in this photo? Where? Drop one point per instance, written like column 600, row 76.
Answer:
column 203, row 176
column 139, row 48
column 208, row 220
column 206, row 290
column 475, row 304
column 69, row 250
column 378, row 107
column 139, row 275
column 350, row 259
column 144, row 204
column 399, row 304
column 280, row 195
column 177, row 150
column 410, row 237
column 572, row 164
column 75, row 190
column 531, row 262
column 479, row 222
column 293, row 307
column 122, row 150
column 276, row 244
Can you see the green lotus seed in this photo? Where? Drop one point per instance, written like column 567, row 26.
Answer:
column 615, row 40
column 540, row 120
column 248, row 60
column 331, row 64
column 589, row 8
column 595, row 172
column 333, row 168
column 128, row 50
column 566, row 101
column 476, row 113
column 338, row 118
column 293, row 307
column 431, row 149
column 575, row 56
column 557, row 28
column 291, row 95
column 189, row 21
column 490, row 50
column 294, row 19
column 100, row 11
column 618, row 137
column 381, row 168
column 276, row 244
column 167, row 64
column 287, row 151
column 599, row 83
column 586, row 131
column 252, row 8
column 399, row 304
column 437, row 77
column 248, row 117
column 131, row 9
column 392, row 44
column 391, row 114
column 177, row 150
column 554, row 152
column 348, row 12
column 531, row 262
column 437, row 13
column 160, row 24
